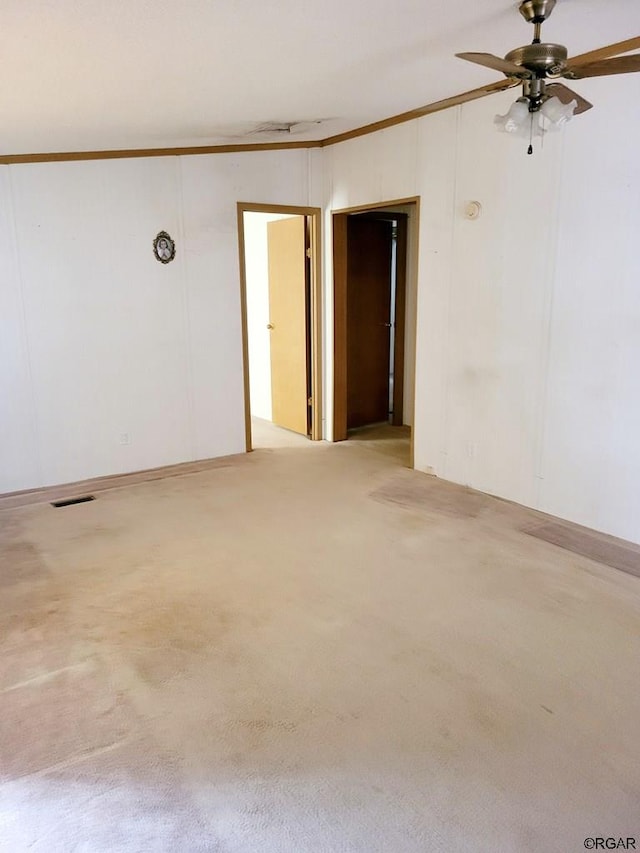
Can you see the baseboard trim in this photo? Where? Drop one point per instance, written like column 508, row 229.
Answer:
column 47, row 494
column 600, row 547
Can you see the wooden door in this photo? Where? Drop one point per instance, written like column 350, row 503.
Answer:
column 368, row 320
column 288, row 307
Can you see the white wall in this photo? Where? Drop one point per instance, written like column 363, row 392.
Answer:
column 529, row 317
column 98, row 339
column 257, row 283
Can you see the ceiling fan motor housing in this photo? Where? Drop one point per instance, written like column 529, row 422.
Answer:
column 545, row 60
column 536, row 11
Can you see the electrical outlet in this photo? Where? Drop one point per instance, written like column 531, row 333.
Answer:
column 125, row 438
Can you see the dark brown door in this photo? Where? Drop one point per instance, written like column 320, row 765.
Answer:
column 368, row 320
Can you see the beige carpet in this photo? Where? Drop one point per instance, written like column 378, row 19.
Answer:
column 298, row 654
column 264, row 435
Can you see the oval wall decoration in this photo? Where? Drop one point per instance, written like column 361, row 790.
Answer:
column 164, row 248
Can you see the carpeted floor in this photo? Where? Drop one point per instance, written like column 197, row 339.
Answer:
column 314, row 649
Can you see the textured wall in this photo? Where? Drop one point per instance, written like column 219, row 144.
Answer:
column 100, row 341
column 528, row 317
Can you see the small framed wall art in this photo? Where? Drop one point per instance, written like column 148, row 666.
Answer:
column 164, row 248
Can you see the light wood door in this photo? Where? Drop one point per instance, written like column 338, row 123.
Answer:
column 288, row 308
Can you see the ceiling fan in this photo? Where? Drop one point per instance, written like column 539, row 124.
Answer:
column 538, row 65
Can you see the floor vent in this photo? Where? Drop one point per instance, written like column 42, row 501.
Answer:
column 72, row 501
column 613, row 552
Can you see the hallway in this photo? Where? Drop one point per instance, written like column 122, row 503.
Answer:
column 312, row 648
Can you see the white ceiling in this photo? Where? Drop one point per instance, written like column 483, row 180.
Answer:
column 103, row 74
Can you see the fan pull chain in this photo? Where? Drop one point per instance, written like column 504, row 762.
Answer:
column 530, row 148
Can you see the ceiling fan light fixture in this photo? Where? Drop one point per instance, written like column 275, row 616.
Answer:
column 557, row 113
column 545, row 104
column 515, row 119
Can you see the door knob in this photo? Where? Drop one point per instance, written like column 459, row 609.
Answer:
column 270, row 326
column 386, row 325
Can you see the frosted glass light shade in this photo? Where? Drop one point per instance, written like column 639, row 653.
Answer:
column 515, row 118
column 557, row 112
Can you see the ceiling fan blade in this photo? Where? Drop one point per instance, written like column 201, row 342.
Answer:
column 566, row 95
column 605, row 67
column 491, row 61
column 606, row 52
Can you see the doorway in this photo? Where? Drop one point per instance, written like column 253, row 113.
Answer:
column 280, row 304
column 375, row 283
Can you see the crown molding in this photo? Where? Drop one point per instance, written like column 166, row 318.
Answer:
column 420, row 112
column 401, row 118
column 127, row 153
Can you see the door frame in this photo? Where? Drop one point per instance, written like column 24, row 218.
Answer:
column 339, row 228
column 314, row 217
